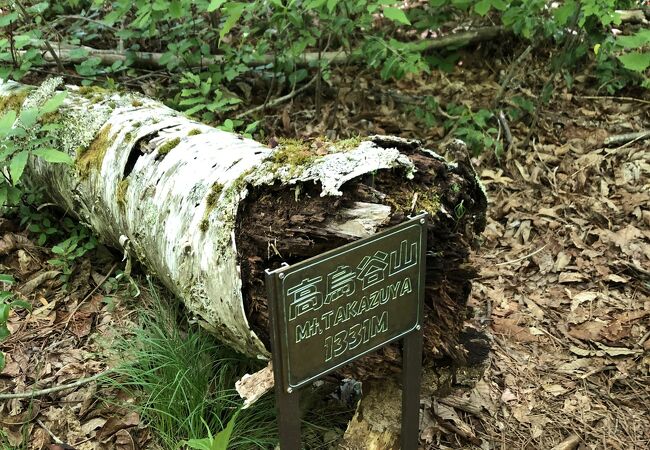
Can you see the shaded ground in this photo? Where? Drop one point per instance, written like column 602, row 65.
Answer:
column 564, row 286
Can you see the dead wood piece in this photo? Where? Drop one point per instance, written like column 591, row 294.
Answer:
column 376, row 422
column 252, row 387
column 208, row 211
column 74, row 54
column 462, row 403
column 619, row 139
column 569, row 443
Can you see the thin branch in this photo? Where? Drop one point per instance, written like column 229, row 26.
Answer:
column 511, row 72
column 87, row 19
column 53, row 389
column 627, row 138
column 275, row 102
column 148, row 59
column 523, row 257
column 47, row 44
column 611, row 97
column 506, row 129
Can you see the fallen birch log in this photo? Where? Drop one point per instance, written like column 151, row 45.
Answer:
column 75, row 54
column 206, row 211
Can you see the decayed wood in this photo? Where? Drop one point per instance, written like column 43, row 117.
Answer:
column 297, row 230
column 207, row 211
column 378, row 418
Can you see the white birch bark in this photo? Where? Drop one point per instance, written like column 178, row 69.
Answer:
column 157, row 206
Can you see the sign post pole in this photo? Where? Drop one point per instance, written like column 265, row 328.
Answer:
column 334, row 308
column 287, row 403
column 411, row 371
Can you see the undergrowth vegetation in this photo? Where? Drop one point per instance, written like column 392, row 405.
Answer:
column 183, row 380
column 217, row 54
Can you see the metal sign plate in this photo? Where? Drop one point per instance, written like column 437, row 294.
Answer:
column 335, row 307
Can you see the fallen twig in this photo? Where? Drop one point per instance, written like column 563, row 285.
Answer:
column 506, row 129
column 611, row 97
column 51, row 390
column 463, row 404
column 569, row 443
column 275, row 102
column 511, row 71
column 523, row 257
column 625, row 138
column 454, row 429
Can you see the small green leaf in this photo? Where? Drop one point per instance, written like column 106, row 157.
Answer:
column 636, row 61
column 53, row 156
column 6, row 122
column 564, row 12
column 2, row 361
column 8, row 18
column 233, row 12
column 396, row 15
column 4, row 332
column 4, row 313
column 215, row 4
column 53, row 104
column 20, row 304
column 28, row 117
column 482, row 7
column 17, row 166
column 222, row 439
column 637, row 40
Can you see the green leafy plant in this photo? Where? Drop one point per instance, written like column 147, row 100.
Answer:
column 238, row 126
column 7, row 303
column 474, row 128
column 202, row 99
column 28, row 134
column 219, row 442
column 71, row 249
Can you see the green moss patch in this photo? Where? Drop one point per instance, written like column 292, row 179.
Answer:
column 194, row 132
column 348, row 144
column 214, row 194
column 93, row 93
column 169, row 146
column 122, row 188
column 293, row 152
column 211, row 202
column 12, row 102
column 204, row 225
column 91, row 158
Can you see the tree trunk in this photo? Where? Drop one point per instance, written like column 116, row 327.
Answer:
column 206, row 211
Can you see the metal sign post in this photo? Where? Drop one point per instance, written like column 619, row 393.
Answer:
column 333, row 308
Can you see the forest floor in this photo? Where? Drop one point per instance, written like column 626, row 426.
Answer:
column 564, row 286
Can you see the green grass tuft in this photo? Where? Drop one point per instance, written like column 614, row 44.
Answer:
column 183, row 382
